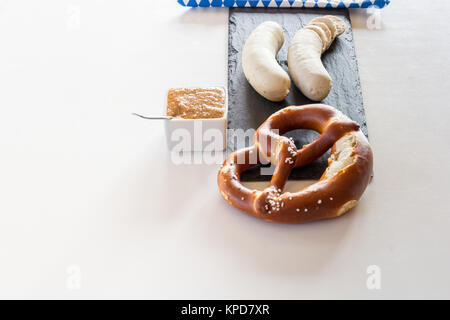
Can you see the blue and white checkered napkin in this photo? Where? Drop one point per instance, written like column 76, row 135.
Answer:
column 286, row 3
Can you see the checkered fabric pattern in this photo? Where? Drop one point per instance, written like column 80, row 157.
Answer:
column 286, row 3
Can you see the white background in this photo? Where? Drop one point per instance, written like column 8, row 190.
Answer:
column 85, row 184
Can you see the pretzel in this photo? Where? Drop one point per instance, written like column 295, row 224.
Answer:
column 337, row 191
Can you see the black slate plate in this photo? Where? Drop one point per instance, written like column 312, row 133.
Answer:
column 247, row 109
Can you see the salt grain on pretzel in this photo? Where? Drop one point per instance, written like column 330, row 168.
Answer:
column 343, row 182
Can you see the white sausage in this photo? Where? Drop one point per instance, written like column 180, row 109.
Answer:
column 305, row 65
column 259, row 62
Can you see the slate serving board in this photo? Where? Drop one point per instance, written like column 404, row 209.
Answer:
column 247, row 109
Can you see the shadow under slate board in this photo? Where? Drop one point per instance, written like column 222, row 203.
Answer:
column 248, row 110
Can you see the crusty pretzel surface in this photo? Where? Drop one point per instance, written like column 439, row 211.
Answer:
column 337, row 191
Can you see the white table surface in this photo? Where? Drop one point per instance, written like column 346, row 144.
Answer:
column 92, row 206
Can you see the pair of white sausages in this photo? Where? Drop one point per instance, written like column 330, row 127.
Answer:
column 269, row 79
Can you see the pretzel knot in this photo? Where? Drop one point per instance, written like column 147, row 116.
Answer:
column 337, row 191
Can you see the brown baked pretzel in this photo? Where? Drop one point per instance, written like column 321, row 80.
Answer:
column 338, row 190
